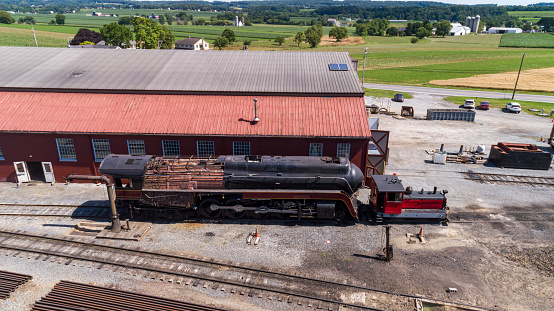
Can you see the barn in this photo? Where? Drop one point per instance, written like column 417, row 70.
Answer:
column 63, row 110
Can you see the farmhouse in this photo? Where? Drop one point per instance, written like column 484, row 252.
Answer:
column 505, row 30
column 62, row 113
column 192, row 44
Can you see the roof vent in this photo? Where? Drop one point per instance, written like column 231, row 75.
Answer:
column 77, row 73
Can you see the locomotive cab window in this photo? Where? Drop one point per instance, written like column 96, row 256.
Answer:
column 394, row 197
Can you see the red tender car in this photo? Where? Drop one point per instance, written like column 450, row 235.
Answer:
column 484, row 105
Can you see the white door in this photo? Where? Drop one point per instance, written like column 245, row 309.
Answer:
column 21, row 171
column 48, row 173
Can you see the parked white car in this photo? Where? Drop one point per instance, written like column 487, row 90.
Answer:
column 469, row 103
column 513, row 107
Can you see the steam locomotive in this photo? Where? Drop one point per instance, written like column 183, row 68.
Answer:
column 258, row 187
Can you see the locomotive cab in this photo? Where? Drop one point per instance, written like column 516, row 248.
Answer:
column 389, row 199
column 387, row 194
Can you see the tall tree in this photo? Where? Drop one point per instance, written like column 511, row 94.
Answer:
column 280, row 40
column 149, row 33
column 125, row 20
column 86, row 35
column 60, row 19
column 6, row 18
column 338, row 33
column 161, row 19
column 547, row 23
column 443, row 28
column 361, row 30
column 229, row 34
column 169, row 18
column 313, row 35
column 115, row 34
column 299, row 38
column 422, row 32
column 392, row 31
column 27, row 20
column 221, row 42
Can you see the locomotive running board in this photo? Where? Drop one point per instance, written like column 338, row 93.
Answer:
column 419, row 213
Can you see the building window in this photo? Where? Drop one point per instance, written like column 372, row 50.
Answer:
column 205, row 149
column 66, row 149
column 343, row 150
column 136, row 147
column 171, row 148
column 1, row 154
column 241, row 148
column 316, row 149
column 101, row 148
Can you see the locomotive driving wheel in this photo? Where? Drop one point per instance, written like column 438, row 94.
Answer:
column 208, row 208
column 237, row 213
column 340, row 213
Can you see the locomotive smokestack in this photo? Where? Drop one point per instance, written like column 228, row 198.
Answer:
column 256, row 110
column 435, row 190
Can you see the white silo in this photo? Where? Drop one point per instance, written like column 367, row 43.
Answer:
column 467, row 21
column 476, row 24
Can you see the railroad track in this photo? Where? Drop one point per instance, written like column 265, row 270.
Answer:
column 301, row 290
column 54, row 210
column 510, row 179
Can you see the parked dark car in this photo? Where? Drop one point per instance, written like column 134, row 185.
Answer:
column 399, row 97
column 484, row 105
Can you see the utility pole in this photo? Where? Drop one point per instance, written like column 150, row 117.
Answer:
column 514, row 93
column 388, row 248
column 34, row 35
column 363, row 69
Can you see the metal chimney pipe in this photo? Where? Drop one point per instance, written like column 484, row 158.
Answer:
column 256, row 110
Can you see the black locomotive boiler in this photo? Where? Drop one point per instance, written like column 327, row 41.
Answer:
column 236, row 186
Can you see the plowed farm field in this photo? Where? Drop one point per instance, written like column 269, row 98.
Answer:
column 541, row 80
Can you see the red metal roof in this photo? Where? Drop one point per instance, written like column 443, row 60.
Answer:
column 182, row 114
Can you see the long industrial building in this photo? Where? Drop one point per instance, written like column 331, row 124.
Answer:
column 63, row 110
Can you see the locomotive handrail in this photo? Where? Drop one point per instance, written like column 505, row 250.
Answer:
column 317, row 177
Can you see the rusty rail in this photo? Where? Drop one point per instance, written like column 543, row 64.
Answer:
column 9, row 281
column 76, row 296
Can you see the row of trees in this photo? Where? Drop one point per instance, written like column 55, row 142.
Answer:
column 7, row 18
column 147, row 33
column 380, row 27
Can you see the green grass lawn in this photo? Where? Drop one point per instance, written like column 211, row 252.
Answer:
column 528, row 40
column 501, row 103
column 385, row 93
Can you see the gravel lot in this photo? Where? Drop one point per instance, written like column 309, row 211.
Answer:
column 493, row 264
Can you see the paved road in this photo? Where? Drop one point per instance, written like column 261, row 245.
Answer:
column 455, row 92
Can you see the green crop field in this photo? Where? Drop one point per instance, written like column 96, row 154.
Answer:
column 10, row 36
column 528, row 40
column 531, row 16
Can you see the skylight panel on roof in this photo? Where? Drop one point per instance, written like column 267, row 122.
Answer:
column 338, row 67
